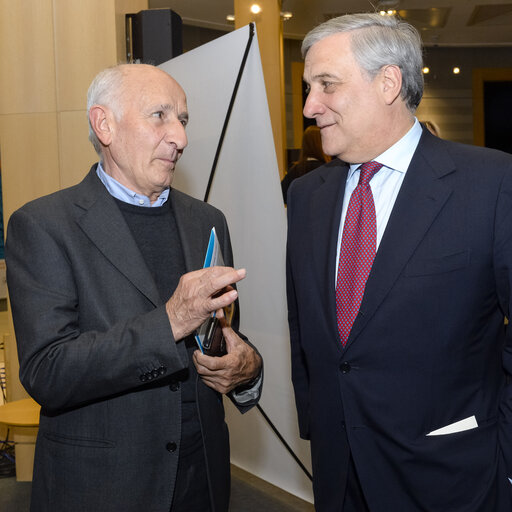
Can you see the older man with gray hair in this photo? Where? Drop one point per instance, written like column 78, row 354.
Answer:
column 107, row 290
column 401, row 359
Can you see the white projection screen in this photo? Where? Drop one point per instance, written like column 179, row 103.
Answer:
column 246, row 188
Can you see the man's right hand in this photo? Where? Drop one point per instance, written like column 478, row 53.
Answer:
column 198, row 294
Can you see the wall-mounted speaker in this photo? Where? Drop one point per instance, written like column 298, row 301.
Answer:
column 153, row 36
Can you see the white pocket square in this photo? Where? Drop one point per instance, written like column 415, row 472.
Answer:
column 458, row 426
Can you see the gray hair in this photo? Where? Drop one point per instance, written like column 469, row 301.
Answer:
column 378, row 41
column 105, row 90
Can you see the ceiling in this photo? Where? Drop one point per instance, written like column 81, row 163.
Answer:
column 440, row 22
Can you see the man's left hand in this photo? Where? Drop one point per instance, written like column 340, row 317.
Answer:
column 239, row 366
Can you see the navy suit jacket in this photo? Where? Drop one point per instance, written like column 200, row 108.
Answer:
column 96, row 351
column 429, row 346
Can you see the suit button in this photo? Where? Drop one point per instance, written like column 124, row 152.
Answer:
column 343, row 425
column 345, row 367
column 171, row 447
column 175, row 385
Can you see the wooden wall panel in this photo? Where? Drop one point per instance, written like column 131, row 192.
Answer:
column 30, row 162
column 76, row 152
column 27, row 79
column 297, row 107
column 451, row 110
column 85, row 43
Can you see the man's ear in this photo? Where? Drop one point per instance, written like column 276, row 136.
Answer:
column 100, row 118
column 391, row 77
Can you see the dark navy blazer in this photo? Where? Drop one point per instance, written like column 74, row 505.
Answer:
column 429, row 346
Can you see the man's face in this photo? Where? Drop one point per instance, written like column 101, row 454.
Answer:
column 347, row 106
column 148, row 139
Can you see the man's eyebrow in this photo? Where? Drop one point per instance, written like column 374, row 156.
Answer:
column 166, row 107
column 322, row 76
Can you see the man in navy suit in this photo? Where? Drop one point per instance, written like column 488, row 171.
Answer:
column 411, row 408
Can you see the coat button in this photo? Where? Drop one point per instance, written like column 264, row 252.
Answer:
column 174, row 385
column 345, row 367
column 171, row 447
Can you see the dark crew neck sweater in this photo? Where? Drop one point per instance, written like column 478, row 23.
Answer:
column 156, row 234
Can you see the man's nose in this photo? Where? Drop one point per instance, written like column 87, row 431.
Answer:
column 176, row 134
column 312, row 106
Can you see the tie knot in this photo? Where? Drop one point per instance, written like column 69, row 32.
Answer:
column 368, row 170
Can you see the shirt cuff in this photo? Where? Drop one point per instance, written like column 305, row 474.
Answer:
column 248, row 394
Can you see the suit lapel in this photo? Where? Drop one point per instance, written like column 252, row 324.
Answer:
column 421, row 197
column 102, row 221
column 193, row 234
column 326, row 205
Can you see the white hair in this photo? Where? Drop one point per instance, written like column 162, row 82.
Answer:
column 105, row 90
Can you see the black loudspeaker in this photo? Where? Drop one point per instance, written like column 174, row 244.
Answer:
column 156, row 35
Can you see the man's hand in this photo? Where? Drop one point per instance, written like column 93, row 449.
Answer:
column 198, row 294
column 241, row 364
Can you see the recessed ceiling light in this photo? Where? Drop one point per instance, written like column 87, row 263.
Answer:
column 230, row 17
column 255, row 9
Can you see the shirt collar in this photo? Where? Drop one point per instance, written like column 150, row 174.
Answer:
column 399, row 155
column 126, row 195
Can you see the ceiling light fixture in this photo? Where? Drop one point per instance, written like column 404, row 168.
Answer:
column 230, row 17
column 388, row 7
column 389, row 12
column 255, row 9
column 286, row 15
column 456, row 70
column 426, row 70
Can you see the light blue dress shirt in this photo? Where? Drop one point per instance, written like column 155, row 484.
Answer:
column 126, row 195
column 385, row 184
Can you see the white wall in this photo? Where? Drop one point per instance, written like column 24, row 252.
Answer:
column 247, row 189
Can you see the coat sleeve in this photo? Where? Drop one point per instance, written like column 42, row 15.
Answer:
column 63, row 364
column 300, row 375
column 503, row 271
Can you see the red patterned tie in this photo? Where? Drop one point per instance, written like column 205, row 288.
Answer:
column 358, row 248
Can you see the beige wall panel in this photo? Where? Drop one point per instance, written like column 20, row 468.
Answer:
column 27, row 80
column 85, row 43
column 298, row 119
column 76, row 152
column 30, row 164
column 125, row 7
